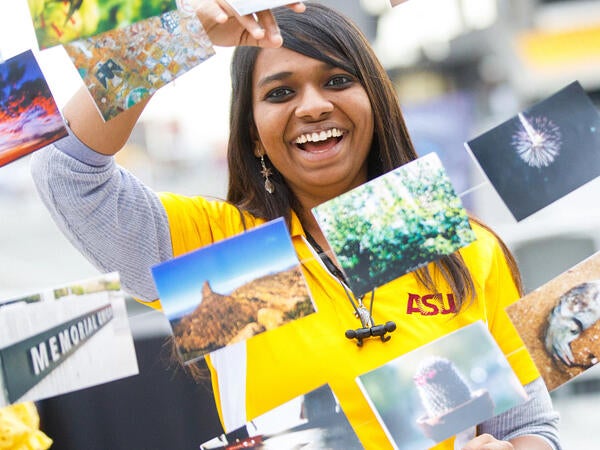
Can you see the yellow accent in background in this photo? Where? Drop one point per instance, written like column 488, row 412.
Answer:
column 546, row 48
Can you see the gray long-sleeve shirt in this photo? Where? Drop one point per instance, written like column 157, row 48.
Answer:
column 119, row 224
column 112, row 218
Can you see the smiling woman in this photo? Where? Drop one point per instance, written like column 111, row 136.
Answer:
column 314, row 123
column 313, row 114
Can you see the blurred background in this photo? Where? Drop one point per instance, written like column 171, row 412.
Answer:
column 460, row 67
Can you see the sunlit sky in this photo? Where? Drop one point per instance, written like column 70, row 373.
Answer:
column 28, row 110
column 226, row 265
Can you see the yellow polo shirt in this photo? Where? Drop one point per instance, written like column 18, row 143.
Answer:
column 294, row 359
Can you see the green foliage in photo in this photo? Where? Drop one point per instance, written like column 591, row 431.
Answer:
column 395, row 224
column 59, row 22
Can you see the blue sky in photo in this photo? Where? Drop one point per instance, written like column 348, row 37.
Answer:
column 226, row 265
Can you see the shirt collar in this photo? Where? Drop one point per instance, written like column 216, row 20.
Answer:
column 295, row 226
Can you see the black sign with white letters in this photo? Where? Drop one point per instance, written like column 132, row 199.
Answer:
column 27, row 362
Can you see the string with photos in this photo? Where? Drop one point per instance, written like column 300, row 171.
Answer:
column 473, row 189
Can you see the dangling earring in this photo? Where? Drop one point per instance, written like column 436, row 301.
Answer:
column 265, row 171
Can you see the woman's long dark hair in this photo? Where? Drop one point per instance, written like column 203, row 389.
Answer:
column 326, row 35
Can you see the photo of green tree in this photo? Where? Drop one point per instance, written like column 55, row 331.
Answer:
column 59, row 22
column 395, row 224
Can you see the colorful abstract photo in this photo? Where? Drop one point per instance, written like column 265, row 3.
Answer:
column 395, row 224
column 122, row 67
column 29, row 116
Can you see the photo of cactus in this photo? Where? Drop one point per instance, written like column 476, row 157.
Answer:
column 232, row 290
column 58, row 22
column 395, row 224
column 442, row 389
column 29, row 116
column 543, row 153
column 560, row 323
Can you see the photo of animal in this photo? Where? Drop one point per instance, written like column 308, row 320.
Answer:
column 577, row 310
column 559, row 323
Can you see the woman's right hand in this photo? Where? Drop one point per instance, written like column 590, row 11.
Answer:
column 226, row 28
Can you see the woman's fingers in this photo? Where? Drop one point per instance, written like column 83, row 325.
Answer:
column 298, row 7
column 252, row 26
column 272, row 36
column 227, row 28
column 211, row 12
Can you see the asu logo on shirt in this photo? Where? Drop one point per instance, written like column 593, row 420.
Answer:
column 430, row 304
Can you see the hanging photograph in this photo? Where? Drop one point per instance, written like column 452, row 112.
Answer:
column 543, row 153
column 232, row 290
column 443, row 388
column 58, row 22
column 65, row 339
column 122, row 67
column 395, row 224
column 29, row 117
column 311, row 421
column 560, row 323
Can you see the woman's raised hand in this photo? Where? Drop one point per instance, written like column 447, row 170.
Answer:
column 226, row 28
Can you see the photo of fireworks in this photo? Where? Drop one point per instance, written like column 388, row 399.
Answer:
column 538, row 142
column 543, row 153
column 29, row 116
